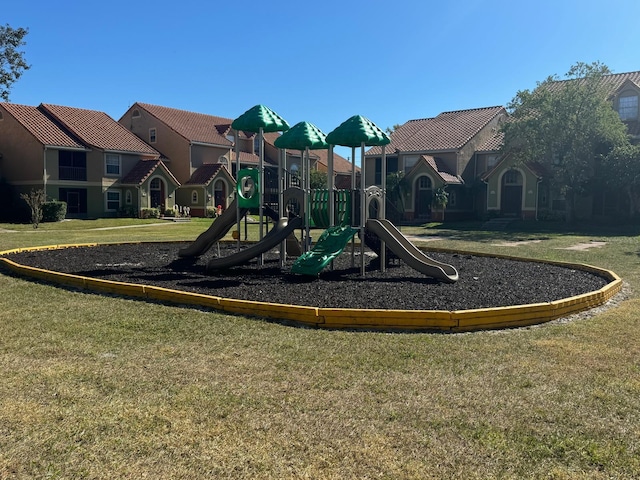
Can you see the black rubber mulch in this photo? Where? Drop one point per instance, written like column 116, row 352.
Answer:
column 484, row 281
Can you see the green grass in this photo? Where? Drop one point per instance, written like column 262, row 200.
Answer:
column 102, row 387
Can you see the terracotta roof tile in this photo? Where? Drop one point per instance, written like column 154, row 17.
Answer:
column 143, row 170
column 447, row 131
column 204, row 174
column 196, row 127
column 493, row 143
column 97, row 129
column 44, row 129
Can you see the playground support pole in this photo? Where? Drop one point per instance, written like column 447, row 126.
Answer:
column 353, row 202
column 307, row 190
column 331, row 188
column 282, row 157
column 261, row 188
column 237, row 152
column 383, row 210
column 363, row 206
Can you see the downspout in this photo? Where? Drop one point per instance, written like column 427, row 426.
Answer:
column 44, row 170
column 537, row 195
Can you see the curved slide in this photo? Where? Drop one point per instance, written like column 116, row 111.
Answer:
column 409, row 253
column 218, row 229
column 276, row 235
column 330, row 244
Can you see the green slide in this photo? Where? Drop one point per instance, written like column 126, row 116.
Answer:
column 330, row 244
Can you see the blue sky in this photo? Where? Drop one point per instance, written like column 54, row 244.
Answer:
column 321, row 62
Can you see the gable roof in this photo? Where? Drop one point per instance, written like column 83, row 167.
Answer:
column 97, row 129
column 143, row 170
column 195, row 127
column 43, row 128
column 445, row 132
column 611, row 82
column 205, row 173
column 438, row 167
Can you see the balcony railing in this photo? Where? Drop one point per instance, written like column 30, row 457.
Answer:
column 72, row 173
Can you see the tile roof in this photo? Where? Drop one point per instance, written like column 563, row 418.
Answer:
column 204, row 174
column 439, row 168
column 143, row 170
column 610, row 82
column 195, row 127
column 493, row 143
column 44, row 129
column 447, row 131
column 97, row 129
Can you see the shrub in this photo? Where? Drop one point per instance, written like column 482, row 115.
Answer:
column 54, row 211
column 35, row 199
column 169, row 212
column 149, row 213
column 211, row 212
column 127, row 212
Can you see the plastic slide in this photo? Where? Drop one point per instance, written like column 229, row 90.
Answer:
column 276, row 235
column 409, row 253
column 330, row 244
column 215, row 232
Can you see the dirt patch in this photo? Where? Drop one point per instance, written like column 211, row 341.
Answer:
column 585, row 246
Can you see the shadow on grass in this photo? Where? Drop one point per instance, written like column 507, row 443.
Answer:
column 522, row 230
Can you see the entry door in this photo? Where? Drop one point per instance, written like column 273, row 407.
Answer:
column 73, row 203
column 156, row 191
column 511, row 194
column 424, row 195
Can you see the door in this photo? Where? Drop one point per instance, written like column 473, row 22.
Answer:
column 156, row 192
column 423, row 197
column 511, row 193
column 220, row 194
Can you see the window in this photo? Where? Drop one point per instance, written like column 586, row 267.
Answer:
column 424, row 183
column 256, row 144
column 113, row 201
column 152, row 135
column 378, row 173
column 491, row 161
column 294, row 174
column 194, row 197
column 409, row 162
column 135, row 113
column 72, row 165
column 111, row 164
column 392, row 165
column 453, row 198
column 628, row 107
column 512, row 177
column 128, row 197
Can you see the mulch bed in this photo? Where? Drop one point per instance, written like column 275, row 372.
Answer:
column 484, row 281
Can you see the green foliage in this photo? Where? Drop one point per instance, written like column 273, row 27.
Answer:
column 35, row 199
column 441, row 198
column 622, row 172
column 12, row 62
column 127, row 212
column 565, row 126
column 149, row 213
column 54, row 211
column 211, row 212
column 317, row 179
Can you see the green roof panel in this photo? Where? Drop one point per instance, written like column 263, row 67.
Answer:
column 260, row 116
column 356, row 130
column 301, row 136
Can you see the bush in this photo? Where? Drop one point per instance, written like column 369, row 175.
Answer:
column 212, row 212
column 54, row 211
column 169, row 212
column 149, row 213
column 127, row 212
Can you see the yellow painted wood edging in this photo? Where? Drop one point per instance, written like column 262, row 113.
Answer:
column 376, row 319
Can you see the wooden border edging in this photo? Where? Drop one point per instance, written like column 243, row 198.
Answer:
column 370, row 319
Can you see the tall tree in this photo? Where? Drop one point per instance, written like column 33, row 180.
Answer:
column 12, row 62
column 622, row 173
column 565, row 125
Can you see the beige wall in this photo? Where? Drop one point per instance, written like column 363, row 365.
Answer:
column 22, row 155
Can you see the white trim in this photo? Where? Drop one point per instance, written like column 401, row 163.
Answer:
column 119, row 158
column 106, row 200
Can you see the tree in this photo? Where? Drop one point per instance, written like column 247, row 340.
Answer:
column 565, row 125
column 622, row 172
column 317, row 179
column 441, row 198
column 12, row 62
column 35, row 199
column 396, row 190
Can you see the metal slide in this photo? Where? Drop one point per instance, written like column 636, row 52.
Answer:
column 218, row 229
column 276, row 235
column 409, row 253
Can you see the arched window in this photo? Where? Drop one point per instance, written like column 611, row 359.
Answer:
column 135, row 113
column 128, row 198
column 194, row 197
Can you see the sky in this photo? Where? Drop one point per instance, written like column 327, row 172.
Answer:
column 320, row 62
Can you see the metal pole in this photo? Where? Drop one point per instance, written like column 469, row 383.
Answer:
column 363, row 206
column 261, row 188
column 383, row 210
column 237, row 153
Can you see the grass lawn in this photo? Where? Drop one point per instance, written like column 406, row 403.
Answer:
column 101, row 387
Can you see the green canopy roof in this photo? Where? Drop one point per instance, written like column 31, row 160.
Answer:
column 356, row 130
column 260, row 116
column 301, row 136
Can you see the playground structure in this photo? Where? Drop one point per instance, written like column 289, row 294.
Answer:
column 317, row 207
